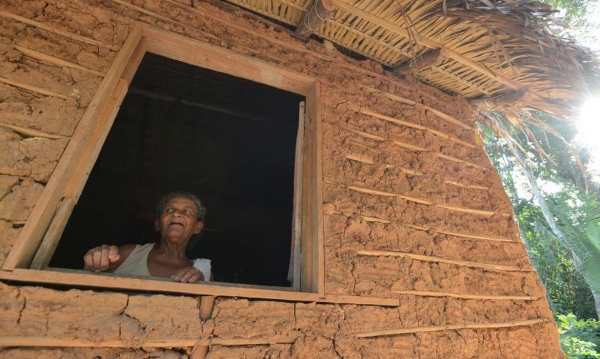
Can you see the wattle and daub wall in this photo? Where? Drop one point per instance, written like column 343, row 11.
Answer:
column 411, row 206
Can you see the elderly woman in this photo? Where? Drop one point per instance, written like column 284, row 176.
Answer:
column 180, row 216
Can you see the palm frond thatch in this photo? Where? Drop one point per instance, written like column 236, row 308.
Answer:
column 491, row 48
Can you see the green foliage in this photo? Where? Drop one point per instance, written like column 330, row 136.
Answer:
column 578, row 338
column 555, row 202
column 575, row 11
column 566, row 289
column 577, row 20
column 579, row 222
column 562, row 229
column 564, row 186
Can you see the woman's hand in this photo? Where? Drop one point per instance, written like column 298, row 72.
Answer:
column 100, row 259
column 188, row 275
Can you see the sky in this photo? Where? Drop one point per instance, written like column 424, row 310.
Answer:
column 588, row 123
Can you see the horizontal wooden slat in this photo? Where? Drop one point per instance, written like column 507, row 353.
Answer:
column 415, row 126
column 423, row 228
column 34, row 89
column 388, row 194
column 486, row 188
column 464, row 296
column 39, row 341
column 420, row 257
column 54, row 60
column 376, row 192
column 55, row 30
column 437, row 328
column 28, row 132
column 408, row 146
column 215, row 58
column 82, row 278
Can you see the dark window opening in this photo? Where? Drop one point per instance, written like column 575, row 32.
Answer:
column 229, row 140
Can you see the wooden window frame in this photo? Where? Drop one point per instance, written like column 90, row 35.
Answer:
column 35, row 245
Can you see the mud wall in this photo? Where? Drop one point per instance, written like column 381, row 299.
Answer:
column 412, row 207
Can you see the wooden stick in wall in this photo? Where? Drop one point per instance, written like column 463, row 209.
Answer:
column 411, row 147
column 28, row 132
column 152, row 14
column 453, row 183
column 41, row 341
column 472, row 211
column 54, row 60
column 370, row 161
column 363, row 159
column 391, row 96
column 421, row 228
column 408, row 146
column 420, row 257
column 398, row 121
column 445, row 117
column 200, row 350
column 371, row 113
column 66, row 34
column 406, row 101
column 207, row 304
column 35, row 89
column 376, row 192
column 364, row 134
column 436, row 328
column 466, row 235
column 371, row 191
column 464, row 296
column 388, row 194
column 457, row 160
column 279, row 339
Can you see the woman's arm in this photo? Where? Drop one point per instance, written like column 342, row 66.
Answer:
column 106, row 258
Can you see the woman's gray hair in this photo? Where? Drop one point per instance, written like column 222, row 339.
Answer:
column 162, row 201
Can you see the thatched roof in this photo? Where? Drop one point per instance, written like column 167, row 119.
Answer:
column 500, row 55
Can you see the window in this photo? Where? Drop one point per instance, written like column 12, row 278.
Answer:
column 213, row 122
column 229, row 140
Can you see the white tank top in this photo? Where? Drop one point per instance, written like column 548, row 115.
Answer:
column 137, row 262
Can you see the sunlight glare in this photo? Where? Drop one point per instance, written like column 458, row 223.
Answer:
column 588, row 126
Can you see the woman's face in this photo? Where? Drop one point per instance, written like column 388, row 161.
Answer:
column 178, row 219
